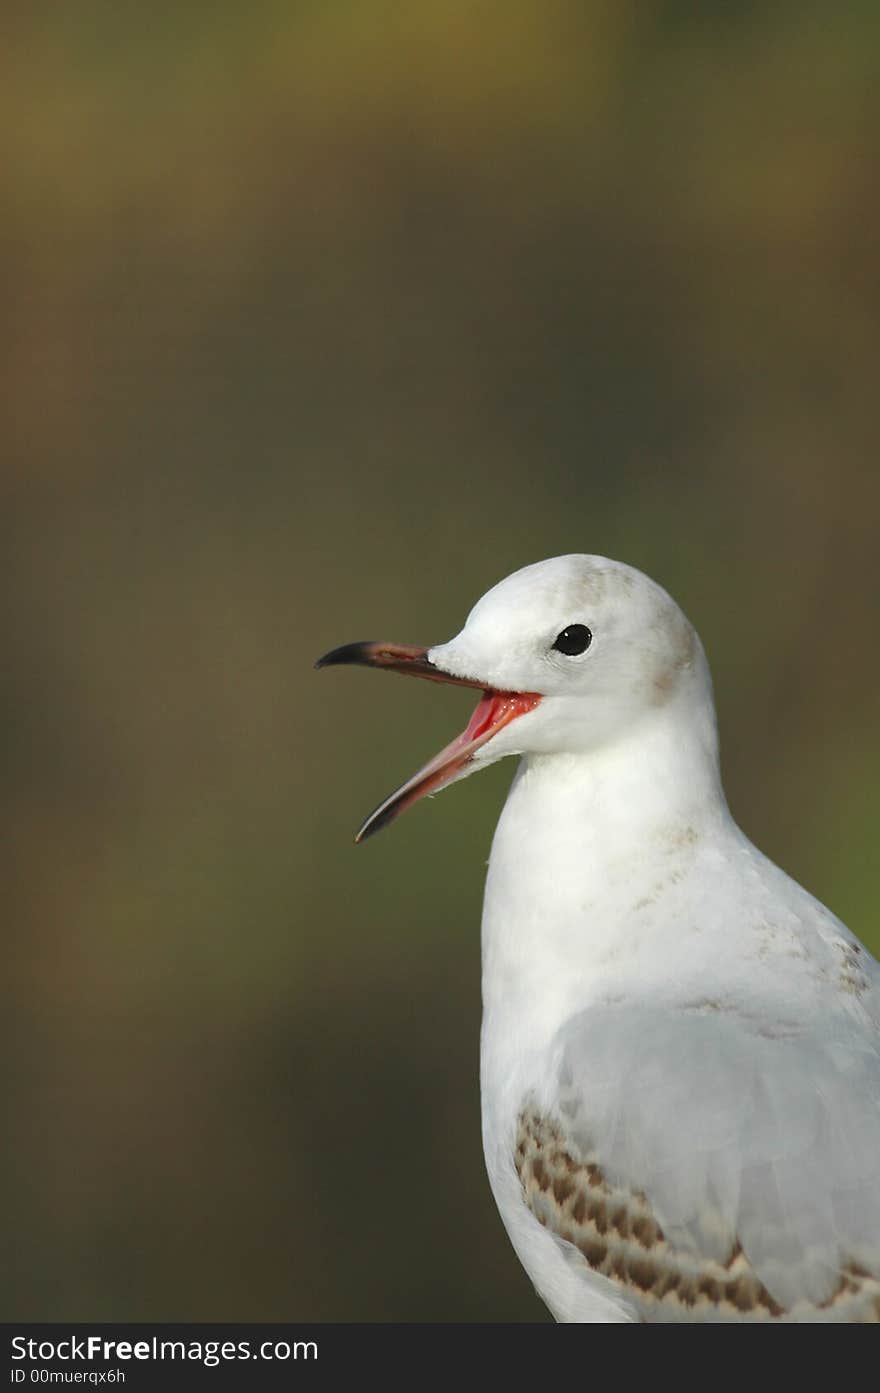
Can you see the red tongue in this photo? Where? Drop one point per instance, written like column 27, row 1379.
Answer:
column 493, row 711
column 496, row 708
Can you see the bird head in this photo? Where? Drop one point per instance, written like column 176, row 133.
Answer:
column 568, row 653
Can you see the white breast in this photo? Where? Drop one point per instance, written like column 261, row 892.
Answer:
column 600, row 898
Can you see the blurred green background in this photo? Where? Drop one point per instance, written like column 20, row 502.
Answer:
column 318, row 319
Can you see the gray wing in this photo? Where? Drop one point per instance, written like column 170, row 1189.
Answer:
column 699, row 1157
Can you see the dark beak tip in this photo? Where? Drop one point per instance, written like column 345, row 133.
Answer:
column 348, row 653
column 366, row 830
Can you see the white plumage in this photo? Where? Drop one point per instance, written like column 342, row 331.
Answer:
column 680, row 1056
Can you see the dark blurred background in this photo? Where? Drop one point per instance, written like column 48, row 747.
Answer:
column 317, row 320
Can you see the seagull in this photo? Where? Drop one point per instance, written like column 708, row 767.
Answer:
column 680, row 1047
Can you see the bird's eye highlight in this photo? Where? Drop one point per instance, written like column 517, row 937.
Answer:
column 576, row 638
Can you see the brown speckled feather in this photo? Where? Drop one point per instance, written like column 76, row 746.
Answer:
column 618, row 1235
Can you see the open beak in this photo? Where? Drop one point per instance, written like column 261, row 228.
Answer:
column 494, row 711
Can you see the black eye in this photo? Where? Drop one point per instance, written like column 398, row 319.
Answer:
column 573, row 640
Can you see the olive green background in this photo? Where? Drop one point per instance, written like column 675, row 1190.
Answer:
column 318, row 319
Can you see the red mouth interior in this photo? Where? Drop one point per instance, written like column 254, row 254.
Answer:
column 496, row 709
column 493, row 711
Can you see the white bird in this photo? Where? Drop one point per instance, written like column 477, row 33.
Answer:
column 680, row 1050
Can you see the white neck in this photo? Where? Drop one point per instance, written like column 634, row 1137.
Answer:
column 594, row 835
